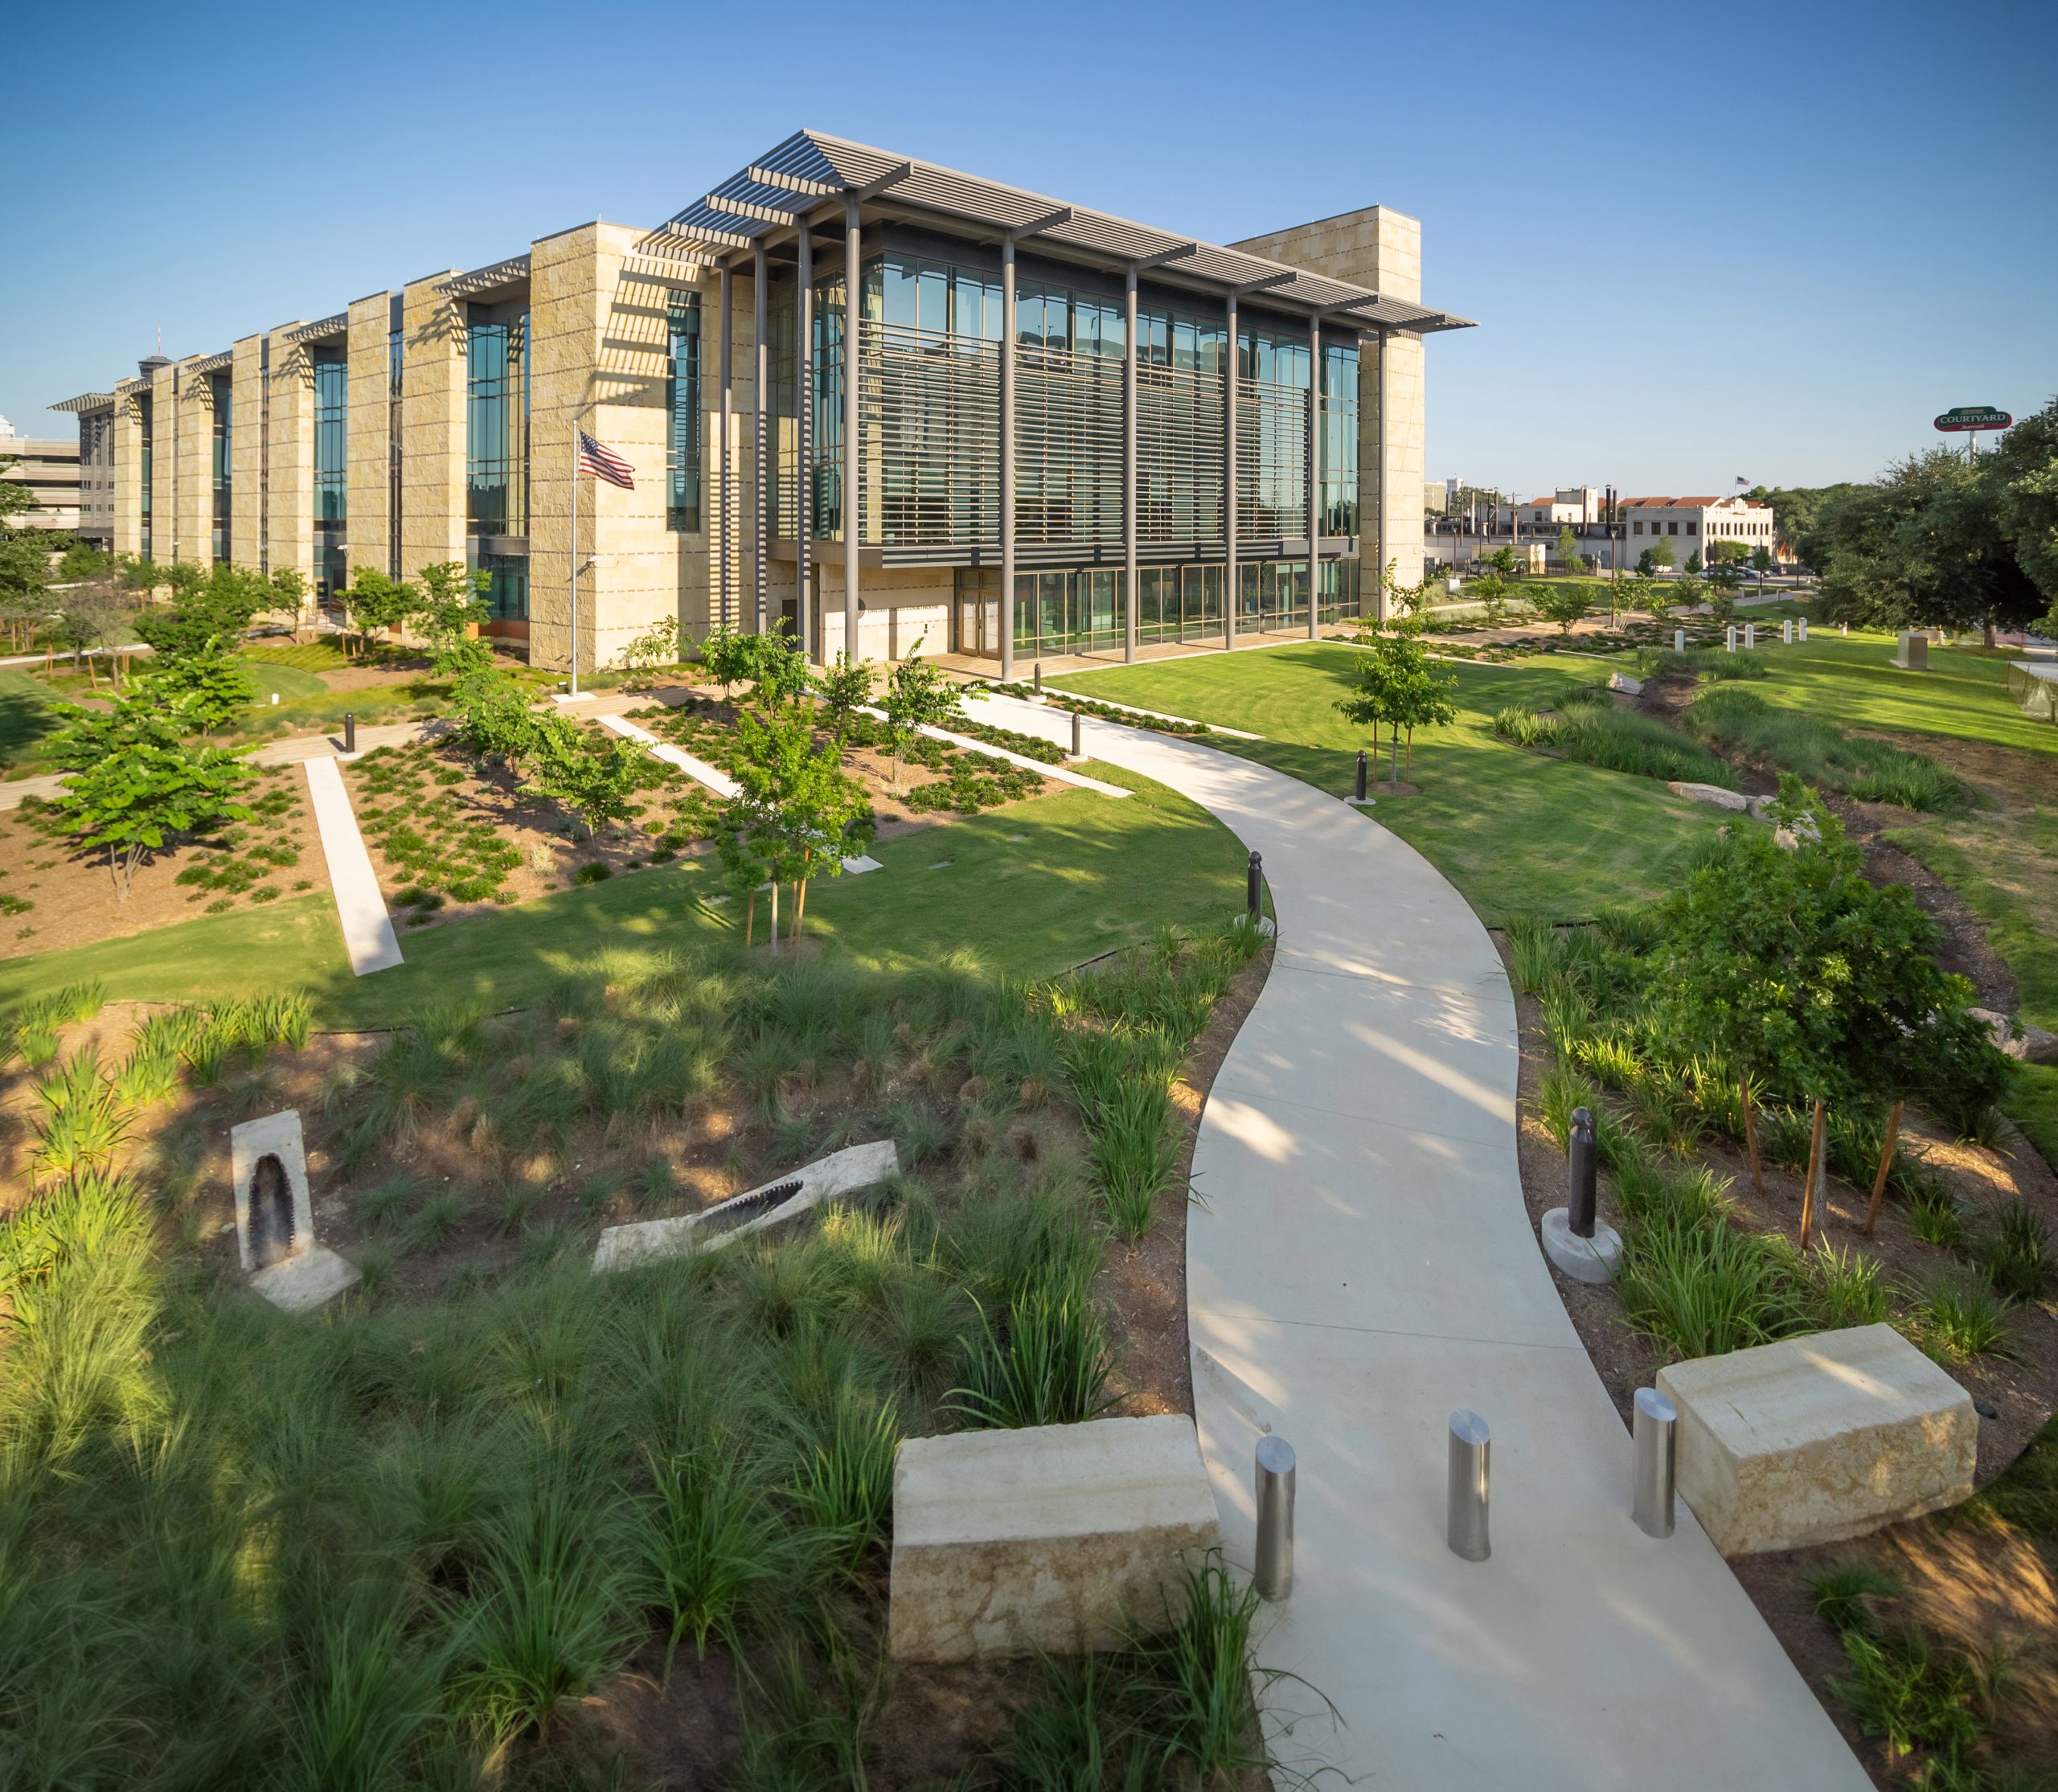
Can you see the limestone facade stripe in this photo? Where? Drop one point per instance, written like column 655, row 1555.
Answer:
column 165, row 544
column 367, row 483
column 128, row 473
column 246, row 444
column 432, row 427
column 290, row 498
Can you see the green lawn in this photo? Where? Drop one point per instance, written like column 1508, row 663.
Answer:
column 291, row 683
column 1855, row 681
column 1092, row 873
column 1517, row 833
column 25, row 715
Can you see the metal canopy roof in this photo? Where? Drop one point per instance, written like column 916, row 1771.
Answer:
column 512, row 272
column 85, row 401
column 770, row 196
column 323, row 330
column 212, row 363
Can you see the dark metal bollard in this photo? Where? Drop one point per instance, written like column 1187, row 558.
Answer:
column 1078, row 752
column 1254, row 878
column 1039, row 678
column 1583, row 1169
column 1361, row 774
column 1464, row 1509
column 350, row 730
column 1274, row 1576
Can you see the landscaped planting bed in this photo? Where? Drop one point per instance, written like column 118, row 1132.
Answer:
column 449, row 834
column 53, row 895
column 624, row 1530
column 1962, row 1263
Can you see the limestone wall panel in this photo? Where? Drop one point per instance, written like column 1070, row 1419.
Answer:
column 432, row 427
column 246, row 454
column 366, row 486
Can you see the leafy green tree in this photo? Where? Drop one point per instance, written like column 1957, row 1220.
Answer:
column 1568, row 550
column 728, row 657
column 494, row 720
column 1564, row 603
column 917, row 696
column 1722, row 604
column 1503, row 561
column 1404, row 603
column 132, row 783
column 656, row 646
column 207, row 687
column 1925, row 546
column 1761, row 563
column 843, row 688
column 373, row 603
column 210, row 606
column 1656, row 596
column 2023, row 473
column 450, row 612
column 1394, row 687
column 795, row 815
column 1796, row 511
column 24, row 564
column 591, row 773
column 1661, row 555
column 1784, row 965
column 1693, row 564
column 1491, row 589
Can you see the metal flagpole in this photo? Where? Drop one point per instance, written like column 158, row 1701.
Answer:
column 575, row 556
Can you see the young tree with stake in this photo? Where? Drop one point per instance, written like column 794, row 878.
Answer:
column 917, row 696
column 1395, row 689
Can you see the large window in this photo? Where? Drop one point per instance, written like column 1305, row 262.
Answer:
column 143, row 459
column 1272, row 442
column 506, row 591
column 683, row 432
column 221, row 468
column 331, row 396
column 497, row 420
column 1339, row 439
column 1068, row 425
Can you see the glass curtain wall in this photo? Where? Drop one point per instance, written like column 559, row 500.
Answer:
column 143, row 459
column 682, row 432
column 331, row 395
column 1068, row 423
column 1272, row 446
column 221, row 469
column 1339, row 439
column 497, row 452
column 1180, row 395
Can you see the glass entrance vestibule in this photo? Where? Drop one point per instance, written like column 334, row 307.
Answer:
column 1082, row 611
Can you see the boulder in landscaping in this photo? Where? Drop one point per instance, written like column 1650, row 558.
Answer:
column 1712, row 794
column 1623, row 682
column 2031, row 1045
column 1812, row 1440
column 1053, row 1540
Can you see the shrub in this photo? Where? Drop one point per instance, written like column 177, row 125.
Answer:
column 1707, row 1290
column 1955, row 1318
column 2013, row 1250
column 1819, row 752
column 1049, row 1365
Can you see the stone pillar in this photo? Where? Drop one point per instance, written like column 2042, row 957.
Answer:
column 128, row 466
column 246, row 453
column 289, row 496
column 196, row 464
column 600, row 346
column 432, row 426
column 165, row 547
column 367, row 495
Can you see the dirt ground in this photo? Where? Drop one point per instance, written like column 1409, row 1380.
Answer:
column 77, row 901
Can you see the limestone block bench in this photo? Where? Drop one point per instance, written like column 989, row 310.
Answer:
column 1814, row 1439
column 1052, row 1539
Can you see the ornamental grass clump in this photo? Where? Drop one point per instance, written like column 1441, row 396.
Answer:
column 1820, row 752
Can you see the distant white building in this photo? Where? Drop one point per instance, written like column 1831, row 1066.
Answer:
column 52, row 472
column 1691, row 525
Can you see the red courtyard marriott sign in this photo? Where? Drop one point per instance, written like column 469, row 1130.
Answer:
column 1974, row 416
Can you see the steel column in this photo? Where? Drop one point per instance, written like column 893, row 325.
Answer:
column 725, row 613
column 1229, row 483
column 1314, row 474
column 761, row 461
column 1007, row 457
column 1129, row 467
column 853, row 360
column 803, row 467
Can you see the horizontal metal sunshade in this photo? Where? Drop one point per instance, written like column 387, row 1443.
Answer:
column 772, row 193
column 512, row 272
column 85, row 401
column 323, row 330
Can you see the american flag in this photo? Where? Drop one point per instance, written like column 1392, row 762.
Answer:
column 604, row 463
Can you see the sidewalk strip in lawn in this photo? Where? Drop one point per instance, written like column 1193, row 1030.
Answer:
column 368, row 935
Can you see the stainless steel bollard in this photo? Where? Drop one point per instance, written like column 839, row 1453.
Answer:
column 1274, row 1577
column 1729, row 640
column 1750, row 638
column 1252, row 880
column 1656, row 1420
column 1464, row 1518
column 350, row 730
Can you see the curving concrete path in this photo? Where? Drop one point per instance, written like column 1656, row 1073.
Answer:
column 1362, row 1264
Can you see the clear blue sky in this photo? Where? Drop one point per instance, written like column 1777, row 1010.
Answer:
column 1701, row 242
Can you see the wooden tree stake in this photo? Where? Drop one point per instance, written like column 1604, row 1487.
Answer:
column 1814, row 1170
column 749, row 917
column 1751, row 1135
column 1885, row 1164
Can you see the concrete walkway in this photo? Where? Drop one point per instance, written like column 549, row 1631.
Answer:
column 368, row 935
column 1362, row 1264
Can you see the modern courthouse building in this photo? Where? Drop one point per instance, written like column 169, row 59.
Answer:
column 1053, row 431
